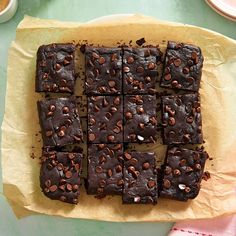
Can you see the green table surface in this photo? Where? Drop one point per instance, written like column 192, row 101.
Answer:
column 195, row 12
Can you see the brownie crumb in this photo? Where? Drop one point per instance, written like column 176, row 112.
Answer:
column 140, row 42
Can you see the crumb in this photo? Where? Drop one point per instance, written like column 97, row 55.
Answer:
column 206, row 175
column 140, row 42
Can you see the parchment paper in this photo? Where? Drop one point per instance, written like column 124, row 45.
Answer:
column 20, row 129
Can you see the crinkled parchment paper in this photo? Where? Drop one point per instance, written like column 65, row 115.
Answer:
column 20, row 129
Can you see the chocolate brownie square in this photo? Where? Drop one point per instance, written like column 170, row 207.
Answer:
column 182, row 173
column 59, row 121
column 105, row 119
column 140, row 118
column 140, row 178
column 182, row 121
column 55, row 70
column 105, row 164
column 140, row 70
column 60, row 175
column 103, row 68
column 183, row 67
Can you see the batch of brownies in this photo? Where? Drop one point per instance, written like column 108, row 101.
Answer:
column 120, row 86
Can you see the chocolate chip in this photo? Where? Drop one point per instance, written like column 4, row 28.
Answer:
column 102, row 89
column 194, row 55
column 71, row 156
column 177, row 172
column 153, row 120
column 68, row 174
column 75, row 187
column 171, row 121
column 101, row 60
column 130, row 60
column 102, row 159
column 77, row 167
column 151, row 66
column 101, row 146
column 102, row 183
column 198, row 167
column 186, row 138
column 140, row 69
column 60, row 166
column 174, row 83
column 177, row 62
column 126, row 69
column 52, row 108
column 148, row 79
column 127, row 156
column 187, row 189
column 120, row 182
column 95, row 55
column 182, row 162
column 53, row 188
column 109, row 172
column 118, row 168
column 50, row 113
column 189, row 169
column 113, row 57
column 110, row 138
column 146, row 165
column 141, row 125
column 190, row 80
column 128, row 115
column 111, row 83
column 61, row 133
column 116, row 130
column 92, row 121
column 49, row 166
column 198, row 110
column 57, row 66
column 185, row 70
column 119, row 124
column 140, row 110
column 167, row 77
column 151, row 183
column 65, row 110
column 66, row 62
column 105, row 102
column 92, row 137
column 113, row 109
column 168, row 170
column 147, row 53
column 166, row 183
column 69, row 187
column 98, row 169
column 189, row 119
column 48, row 183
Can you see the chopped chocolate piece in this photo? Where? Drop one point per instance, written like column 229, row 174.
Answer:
column 105, row 165
column 182, row 173
column 183, row 67
column 140, row 70
column 55, row 68
column 103, row 70
column 60, row 175
column 140, row 178
column 105, row 115
column 140, row 118
column 182, row 121
column 59, row 121
column 140, row 42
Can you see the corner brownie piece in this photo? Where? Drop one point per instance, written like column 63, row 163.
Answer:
column 140, row 178
column 60, row 175
column 59, row 121
column 105, row 115
column 183, row 67
column 140, row 70
column 182, row 121
column 103, row 68
column 140, row 118
column 182, row 173
column 55, row 70
column 105, row 164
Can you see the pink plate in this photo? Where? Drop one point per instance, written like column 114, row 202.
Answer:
column 226, row 8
